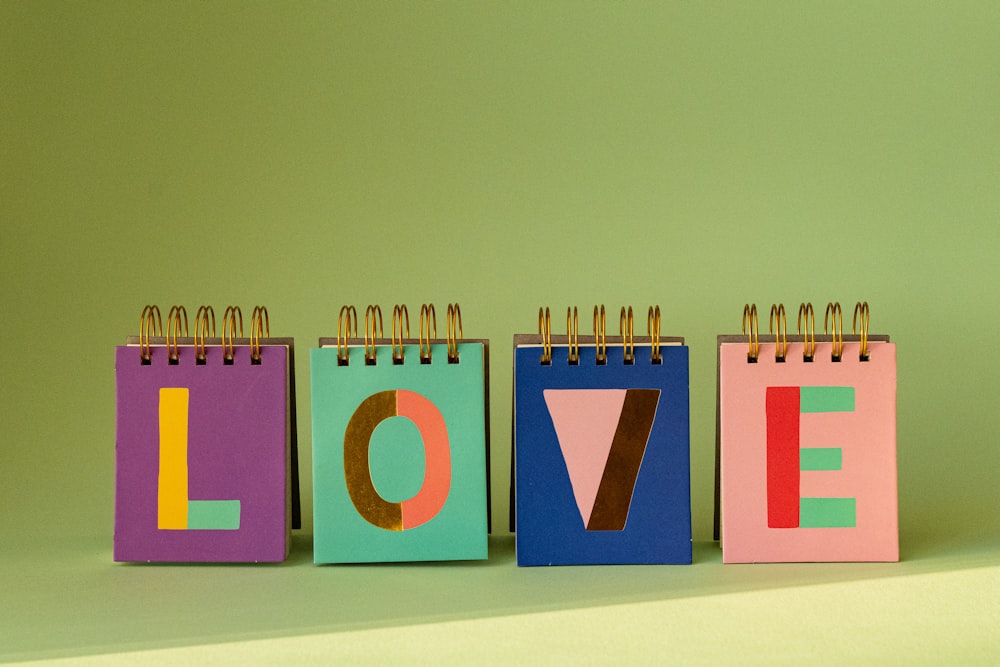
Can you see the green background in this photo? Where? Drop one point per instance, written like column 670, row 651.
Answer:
column 503, row 156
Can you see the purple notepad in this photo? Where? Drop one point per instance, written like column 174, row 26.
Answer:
column 202, row 456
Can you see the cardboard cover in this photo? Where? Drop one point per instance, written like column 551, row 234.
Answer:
column 399, row 454
column 601, row 455
column 202, row 457
column 807, row 465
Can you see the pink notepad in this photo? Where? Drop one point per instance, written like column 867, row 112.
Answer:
column 808, row 453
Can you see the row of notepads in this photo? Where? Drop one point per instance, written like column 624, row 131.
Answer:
column 207, row 458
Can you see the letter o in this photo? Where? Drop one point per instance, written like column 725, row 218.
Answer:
column 433, row 493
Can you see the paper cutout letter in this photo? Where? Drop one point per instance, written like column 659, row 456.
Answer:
column 786, row 459
column 174, row 510
column 602, row 434
column 432, row 495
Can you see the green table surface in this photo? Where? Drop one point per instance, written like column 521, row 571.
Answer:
column 939, row 605
column 505, row 156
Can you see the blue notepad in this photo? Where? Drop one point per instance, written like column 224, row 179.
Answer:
column 602, row 468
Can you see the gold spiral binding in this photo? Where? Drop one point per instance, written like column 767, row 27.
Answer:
column 861, row 309
column 235, row 315
column 750, row 331
column 600, row 338
column 626, row 326
column 148, row 326
column 778, row 325
column 373, row 330
column 204, row 327
column 176, row 318
column 834, row 321
column 454, row 332
column 401, row 326
column 348, row 317
column 653, row 329
column 428, row 330
column 260, row 327
column 807, row 328
column 573, row 334
column 265, row 321
column 230, row 319
column 545, row 330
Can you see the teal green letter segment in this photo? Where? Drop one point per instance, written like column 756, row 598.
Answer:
column 213, row 515
column 827, row 513
column 820, row 458
column 826, row 399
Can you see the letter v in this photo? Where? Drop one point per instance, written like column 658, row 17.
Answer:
column 602, row 435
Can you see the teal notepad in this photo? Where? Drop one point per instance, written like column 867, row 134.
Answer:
column 399, row 448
